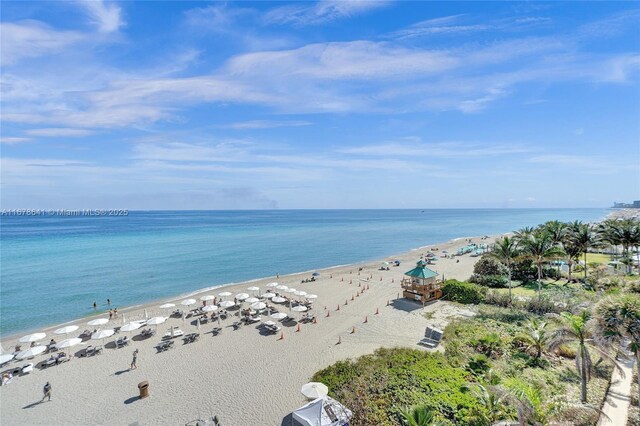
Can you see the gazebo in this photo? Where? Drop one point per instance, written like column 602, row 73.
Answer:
column 421, row 284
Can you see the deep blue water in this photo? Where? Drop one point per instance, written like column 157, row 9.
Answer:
column 53, row 268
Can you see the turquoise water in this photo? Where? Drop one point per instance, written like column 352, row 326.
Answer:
column 53, row 268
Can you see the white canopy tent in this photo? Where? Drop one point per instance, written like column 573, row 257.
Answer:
column 324, row 411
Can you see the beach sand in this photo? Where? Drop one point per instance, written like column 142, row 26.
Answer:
column 243, row 377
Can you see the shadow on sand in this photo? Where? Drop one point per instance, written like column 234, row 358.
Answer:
column 132, row 400
column 34, row 404
column 409, row 305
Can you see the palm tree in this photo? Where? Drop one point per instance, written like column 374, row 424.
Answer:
column 419, row 416
column 618, row 320
column 557, row 231
column 536, row 337
column 524, row 233
column 577, row 329
column 573, row 252
column 583, row 236
column 493, row 400
column 626, row 233
column 506, row 251
column 540, row 248
column 532, row 407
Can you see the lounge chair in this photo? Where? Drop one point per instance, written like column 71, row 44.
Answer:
column 90, row 351
column 26, row 369
column 432, row 338
column 97, row 350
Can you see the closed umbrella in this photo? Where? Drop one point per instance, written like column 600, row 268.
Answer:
column 210, row 308
column 31, row 352
column 242, row 296
column 98, row 321
column 226, row 304
column 314, row 390
column 188, row 302
column 32, row 337
column 66, row 330
column 258, row 306
column 67, row 343
column 252, row 300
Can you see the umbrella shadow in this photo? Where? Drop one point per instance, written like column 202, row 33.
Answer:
column 110, row 345
column 33, row 404
column 288, row 420
column 291, row 323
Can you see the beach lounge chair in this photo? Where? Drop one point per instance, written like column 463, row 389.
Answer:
column 97, row 350
column 90, row 351
column 26, row 369
column 50, row 361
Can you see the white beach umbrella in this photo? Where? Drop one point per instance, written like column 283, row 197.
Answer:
column 134, row 325
column 102, row 334
column 242, row 296
column 311, row 296
column 272, row 285
column 300, row 293
column 31, row 352
column 279, row 315
column 278, row 299
column 299, row 308
column 66, row 330
column 210, row 308
column 269, row 295
column 252, row 300
column 224, row 294
column 32, row 337
column 98, row 321
column 282, row 287
column 253, row 288
column 4, row 358
column 156, row 320
column 67, row 343
column 168, row 306
column 313, row 390
column 207, row 297
column 290, row 290
column 258, row 306
column 226, row 304
column 188, row 302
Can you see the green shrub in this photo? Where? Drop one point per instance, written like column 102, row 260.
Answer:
column 497, row 298
column 542, row 305
column 489, row 272
column 478, row 365
column 489, row 345
column 463, row 292
column 494, row 281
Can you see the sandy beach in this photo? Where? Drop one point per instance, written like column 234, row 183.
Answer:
column 244, row 377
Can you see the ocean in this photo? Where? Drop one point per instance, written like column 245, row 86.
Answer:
column 53, row 268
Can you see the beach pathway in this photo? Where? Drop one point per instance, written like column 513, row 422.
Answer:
column 616, row 406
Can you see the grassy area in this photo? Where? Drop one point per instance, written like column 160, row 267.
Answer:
column 530, row 289
column 597, row 258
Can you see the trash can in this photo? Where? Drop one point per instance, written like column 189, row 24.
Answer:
column 144, row 389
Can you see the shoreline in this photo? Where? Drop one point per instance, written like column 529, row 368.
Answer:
column 153, row 304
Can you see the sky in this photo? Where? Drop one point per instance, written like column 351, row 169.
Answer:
column 331, row 104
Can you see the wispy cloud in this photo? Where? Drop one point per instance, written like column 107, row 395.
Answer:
column 29, row 39
column 9, row 140
column 55, row 132
column 415, row 147
column 106, row 16
column 266, row 124
column 321, row 12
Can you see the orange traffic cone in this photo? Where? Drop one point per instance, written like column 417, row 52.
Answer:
column 281, row 335
column 350, row 281
column 353, row 330
column 366, row 320
column 298, row 328
column 358, row 294
column 338, row 308
column 315, row 321
column 345, row 302
column 377, row 311
column 352, row 298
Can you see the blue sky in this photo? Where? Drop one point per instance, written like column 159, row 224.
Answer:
column 243, row 105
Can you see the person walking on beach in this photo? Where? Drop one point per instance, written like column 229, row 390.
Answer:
column 135, row 359
column 47, row 392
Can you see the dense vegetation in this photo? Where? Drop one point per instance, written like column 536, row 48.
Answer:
column 539, row 351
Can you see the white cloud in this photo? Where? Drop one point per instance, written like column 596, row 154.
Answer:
column 55, row 132
column 414, row 147
column 321, row 12
column 29, row 39
column 9, row 140
column 267, row 124
column 106, row 16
